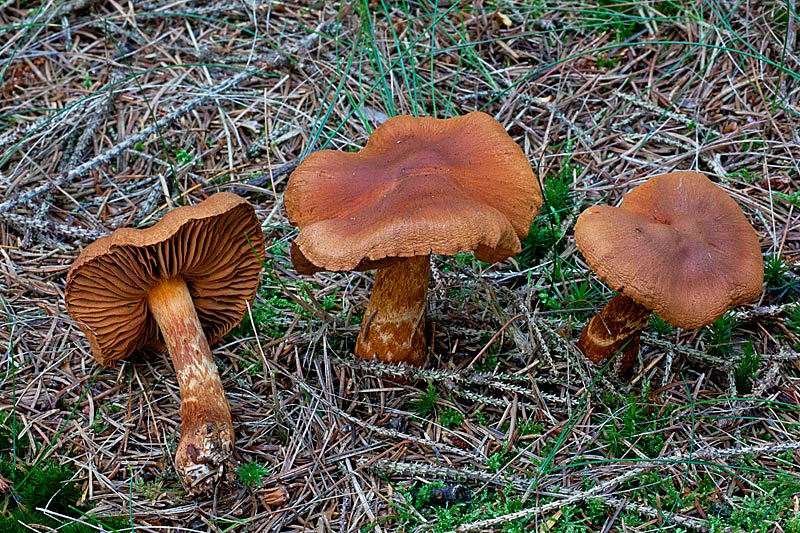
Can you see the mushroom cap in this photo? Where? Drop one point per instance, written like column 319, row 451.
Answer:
column 419, row 186
column 216, row 247
column 678, row 245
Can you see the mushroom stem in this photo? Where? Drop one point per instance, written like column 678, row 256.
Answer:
column 617, row 327
column 206, row 426
column 393, row 329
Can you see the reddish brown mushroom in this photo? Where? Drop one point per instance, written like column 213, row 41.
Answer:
column 677, row 246
column 420, row 186
column 181, row 284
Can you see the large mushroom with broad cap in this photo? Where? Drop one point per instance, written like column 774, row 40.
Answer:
column 181, row 284
column 677, row 246
column 420, row 186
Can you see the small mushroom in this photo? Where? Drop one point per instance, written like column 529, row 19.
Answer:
column 677, row 246
column 420, row 186
column 181, row 284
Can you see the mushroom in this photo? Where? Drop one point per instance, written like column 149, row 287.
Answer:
column 181, row 284
column 677, row 246
column 420, row 186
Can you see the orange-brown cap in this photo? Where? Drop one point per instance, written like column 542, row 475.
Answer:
column 419, row 186
column 679, row 245
column 216, row 247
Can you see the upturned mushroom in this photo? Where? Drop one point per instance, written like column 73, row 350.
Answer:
column 181, row 284
column 420, row 186
column 677, row 246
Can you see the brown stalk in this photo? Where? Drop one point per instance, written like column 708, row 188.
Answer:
column 394, row 324
column 617, row 327
column 206, row 426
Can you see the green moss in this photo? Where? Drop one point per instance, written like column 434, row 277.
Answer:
column 547, row 232
column 10, row 429
column 720, row 336
column 49, row 486
column 745, row 371
column 251, row 473
column 640, row 424
column 424, row 404
column 451, row 418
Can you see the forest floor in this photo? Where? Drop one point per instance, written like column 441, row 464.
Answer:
column 112, row 113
